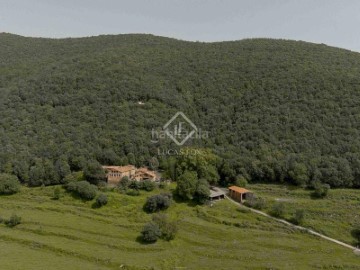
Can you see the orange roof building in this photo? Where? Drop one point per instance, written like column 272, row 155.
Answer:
column 120, row 169
column 114, row 174
column 239, row 194
column 144, row 174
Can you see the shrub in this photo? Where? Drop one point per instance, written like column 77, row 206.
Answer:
column 168, row 228
column 186, row 185
column 69, row 178
column 299, row 217
column 157, row 202
column 94, row 173
column 151, row 204
column 101, row 200
column 162, row 185
column 13, row 221
column 241, row 181
column 133, row 192
column 9, row 184
column 84, row 189
column 256, row 203
column 278, row 210
column 135, row 185
column 56, row 195
column 102, row 185
column 151, row 232
column 320, row 190
column 169, row 231
column 124, row 183
column 71, row 187
column 159, row 227
column 148, row 185
column 202, row 191
column 74, row 177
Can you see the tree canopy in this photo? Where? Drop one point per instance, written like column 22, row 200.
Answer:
column 275, row 110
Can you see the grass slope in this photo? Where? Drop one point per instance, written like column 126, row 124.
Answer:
column 334, row 216
column 70, row 234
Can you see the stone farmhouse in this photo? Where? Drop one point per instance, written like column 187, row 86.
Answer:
column 114, row 174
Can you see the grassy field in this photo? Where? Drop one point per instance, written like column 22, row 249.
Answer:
column 70, row 234
column 335, row 216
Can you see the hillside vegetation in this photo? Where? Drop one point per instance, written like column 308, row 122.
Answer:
column 70, row 234
column 275, row 110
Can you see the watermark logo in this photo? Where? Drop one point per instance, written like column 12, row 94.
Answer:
column 179, row 129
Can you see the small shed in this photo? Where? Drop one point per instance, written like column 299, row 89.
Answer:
column 216, row 194
column 240, row 194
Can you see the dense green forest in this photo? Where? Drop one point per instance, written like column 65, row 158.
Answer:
column 275, row 110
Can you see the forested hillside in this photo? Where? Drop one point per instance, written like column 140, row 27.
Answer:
column 275, row 110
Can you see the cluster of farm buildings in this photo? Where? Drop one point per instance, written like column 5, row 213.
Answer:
column 114, row 174
column 238, row 194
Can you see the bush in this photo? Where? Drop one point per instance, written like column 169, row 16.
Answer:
column 102, row 200
column 84, row 189
column 74, row 177
column 135, row 185
column 168, row 228
column 162, row 185
column 71, row 186
column 124, row 183
column 56, row 195
column 9, row 184
column 13, row 221
column 241, row 181
column 102, row 185
column 278, row 210
column 157, row 202
column 256, row 203
column 94, row 173
column 148, row 185
column 151, row 204
column 159, row 227
column 151, row 232
column 133, row 192
column 320, row 190
column 202, row 191
column 186, row 185
column 299, row 217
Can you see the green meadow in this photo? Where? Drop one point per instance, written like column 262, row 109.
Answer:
column 335, row 215
column 72, row 234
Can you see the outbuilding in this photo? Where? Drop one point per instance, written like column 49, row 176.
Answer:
column 240, row 194
column 216, row 194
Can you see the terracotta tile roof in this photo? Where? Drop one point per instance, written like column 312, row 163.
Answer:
column 120, row 169
column 239, row 189
column 145, row 171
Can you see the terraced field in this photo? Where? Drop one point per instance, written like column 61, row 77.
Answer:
column 70, row 234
